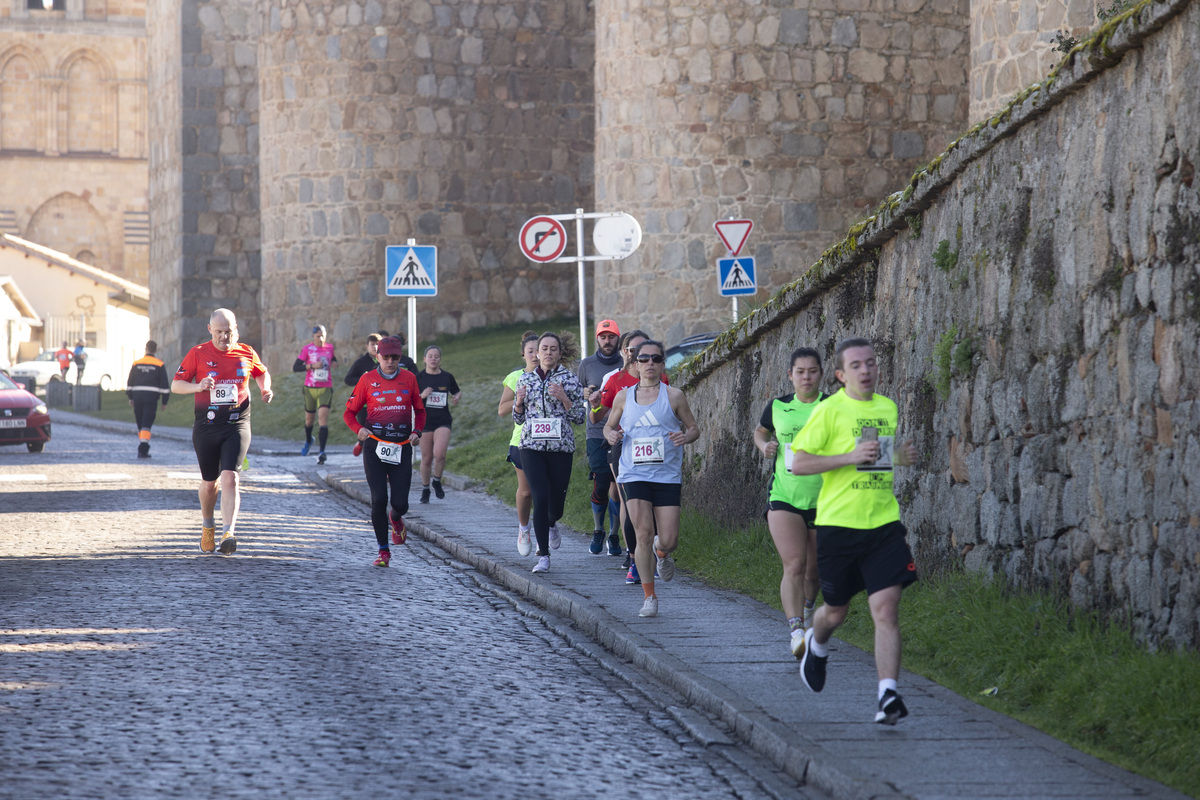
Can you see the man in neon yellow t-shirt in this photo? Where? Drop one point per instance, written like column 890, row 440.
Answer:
column 850, row 441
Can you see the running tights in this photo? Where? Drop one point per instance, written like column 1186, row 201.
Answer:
column 381, row 476
column 548, row 475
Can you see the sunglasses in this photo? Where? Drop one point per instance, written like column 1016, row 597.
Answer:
column 656, row 358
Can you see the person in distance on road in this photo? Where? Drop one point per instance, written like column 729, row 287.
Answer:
column 792, row 501
column 508, row 396
column 146, row 386
column 548, row 402
column 654, row 421
column 316, row 361
column 218, row 373
column 439, row 392
column 395, row 416
column 64, row 356
column 861, row 544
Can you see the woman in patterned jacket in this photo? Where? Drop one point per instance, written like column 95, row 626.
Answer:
column 549, row 400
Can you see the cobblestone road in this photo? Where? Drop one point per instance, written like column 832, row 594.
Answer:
column 131, row 665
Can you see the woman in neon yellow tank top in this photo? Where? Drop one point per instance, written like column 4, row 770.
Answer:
column 524, row 498
column 792, row 504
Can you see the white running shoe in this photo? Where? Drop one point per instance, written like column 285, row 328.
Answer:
column 543, row 564
column 798, row 643
column 650, row 607
column 555, row 537
column 524, row 546
column 666, row 564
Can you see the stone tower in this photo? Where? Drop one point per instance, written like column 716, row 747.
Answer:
column 205, row 240
column 799, row 118
column 448, row 123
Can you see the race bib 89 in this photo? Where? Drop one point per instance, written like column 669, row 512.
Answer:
column 223, row 394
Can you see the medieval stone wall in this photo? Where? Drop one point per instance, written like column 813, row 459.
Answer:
column 1012, row 45
column 797, row 118
column 446, row 123
column 205, row 169
column 1035, row 304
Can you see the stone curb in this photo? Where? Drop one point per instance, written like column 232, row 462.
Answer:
column 798, row 756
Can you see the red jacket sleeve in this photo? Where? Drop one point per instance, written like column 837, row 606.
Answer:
column 353, row 404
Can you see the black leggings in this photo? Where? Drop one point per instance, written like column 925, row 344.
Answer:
column 379, row 476
column 548, row 475
column 145, row 409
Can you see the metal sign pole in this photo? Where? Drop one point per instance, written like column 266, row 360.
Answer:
column 412, row 319
column 735, row 309
column 583, row 342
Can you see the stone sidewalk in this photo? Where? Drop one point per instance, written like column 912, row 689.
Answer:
column 728, row 655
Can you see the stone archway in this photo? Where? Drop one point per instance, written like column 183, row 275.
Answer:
column 70, row 224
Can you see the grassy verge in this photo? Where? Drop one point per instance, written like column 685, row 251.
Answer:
column 1091, row 686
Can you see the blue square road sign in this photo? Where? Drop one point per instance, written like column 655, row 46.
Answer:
column 411, row 271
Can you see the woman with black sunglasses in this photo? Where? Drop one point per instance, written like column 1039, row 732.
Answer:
column 654, row 421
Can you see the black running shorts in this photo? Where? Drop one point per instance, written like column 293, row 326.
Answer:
column 809, row 514
column 851, row 559
column 220, row 446
column 660, row 495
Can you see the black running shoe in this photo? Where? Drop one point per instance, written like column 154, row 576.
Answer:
column 614, row 546
column 891, row 708
column 597, row 545
column 424, row 495
column 812, row 668
column 437, row 490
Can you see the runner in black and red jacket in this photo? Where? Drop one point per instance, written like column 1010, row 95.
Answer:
column 394, row 419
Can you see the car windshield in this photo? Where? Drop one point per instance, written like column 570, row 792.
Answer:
column 46, row 356
column 5, row 383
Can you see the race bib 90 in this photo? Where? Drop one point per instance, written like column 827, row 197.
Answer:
column 436, row 400
column 543, row 428
column 223, row 394
column 648, row 450
column 388, row 452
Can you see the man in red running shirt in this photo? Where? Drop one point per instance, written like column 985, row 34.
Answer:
column 218, row 373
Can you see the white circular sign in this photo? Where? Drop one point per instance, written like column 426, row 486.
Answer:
column 616, row 236
column 543, row 239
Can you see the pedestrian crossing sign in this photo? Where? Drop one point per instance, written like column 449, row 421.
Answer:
column 411, row 271
column 736, row 276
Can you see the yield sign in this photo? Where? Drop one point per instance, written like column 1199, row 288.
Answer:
column 733, row 233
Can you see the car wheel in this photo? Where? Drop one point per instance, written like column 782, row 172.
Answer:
column 35, row 447
column 105, row 383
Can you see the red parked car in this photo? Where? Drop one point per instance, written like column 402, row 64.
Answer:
column 23, row 417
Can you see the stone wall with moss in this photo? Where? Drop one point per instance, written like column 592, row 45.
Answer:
column 1034, row 295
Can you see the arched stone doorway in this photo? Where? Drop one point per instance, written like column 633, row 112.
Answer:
column 69, row 224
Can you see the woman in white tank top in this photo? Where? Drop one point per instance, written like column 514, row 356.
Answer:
column 655, row 422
